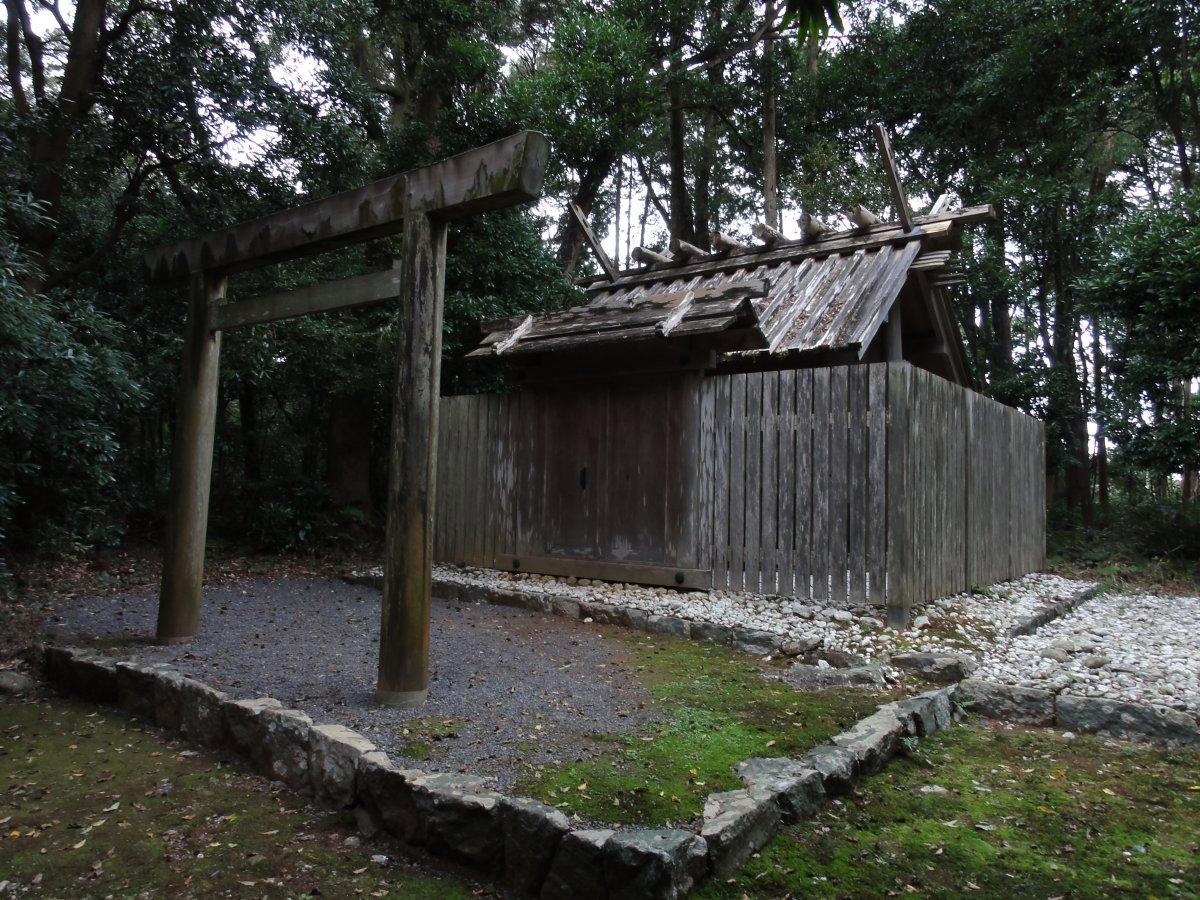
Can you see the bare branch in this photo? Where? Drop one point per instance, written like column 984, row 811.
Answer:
column 651, row 193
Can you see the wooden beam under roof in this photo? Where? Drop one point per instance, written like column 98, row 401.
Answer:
column 593, row 242
column 927, row 228
column 503, row 173
column 347, row 293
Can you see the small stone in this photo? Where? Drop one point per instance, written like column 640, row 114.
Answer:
column 920, row 622
column 352, row 841
column 379, row 859
column 1096, row 661
column 1055, row 653
column 16, row 683
column 933, row 789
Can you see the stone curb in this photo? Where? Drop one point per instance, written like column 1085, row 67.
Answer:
column 737, row 824
column 1053, row 611
column 747, row 640
column 1112, row 718
column 527, row 845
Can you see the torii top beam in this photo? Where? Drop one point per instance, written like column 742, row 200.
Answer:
column 503, row 173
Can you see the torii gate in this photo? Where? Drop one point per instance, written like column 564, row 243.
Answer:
column 418, row 203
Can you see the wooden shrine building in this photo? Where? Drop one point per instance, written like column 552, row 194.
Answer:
column 793, row 418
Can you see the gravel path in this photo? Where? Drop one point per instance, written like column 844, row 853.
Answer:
column 1126, row 646
column 516, row 689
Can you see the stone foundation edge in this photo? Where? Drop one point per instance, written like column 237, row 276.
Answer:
column 526, row 845
column 1077, row 713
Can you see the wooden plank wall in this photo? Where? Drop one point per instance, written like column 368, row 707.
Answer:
column 880, row 483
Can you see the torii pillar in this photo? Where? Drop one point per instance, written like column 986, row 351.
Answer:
column 419, row 204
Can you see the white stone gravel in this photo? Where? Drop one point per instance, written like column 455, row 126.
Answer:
column 970, row 623
column 1125, row 646
column 1133, row 647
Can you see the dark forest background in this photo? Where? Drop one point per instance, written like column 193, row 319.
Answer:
column 124, row 123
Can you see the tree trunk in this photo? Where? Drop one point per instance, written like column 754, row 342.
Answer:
column 770, row 156
column 1102, row 486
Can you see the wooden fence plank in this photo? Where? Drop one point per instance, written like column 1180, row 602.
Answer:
column 876, row 537
column 856, row 483
column 838, row 486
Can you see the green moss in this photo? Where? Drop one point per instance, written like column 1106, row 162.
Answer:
column 422, row 737
column 716, row 709
column 95, row 805
column 1028, row 814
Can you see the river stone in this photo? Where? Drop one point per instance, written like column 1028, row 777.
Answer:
column 577, row 872
column 202, row 720
column 796, row 646
column 653, row 864
column 1127, row 720
column 135, row 689
column 796, row 788
column 872, row 741
column 1096, row 661
column 462, row 819
column 1055, row 653
column 532, row 832
column 944, row 668
column 736, row 825
column 1011, row 703
column 386, row 799
column 16, row 683
column 835, row 764
column 334, row 753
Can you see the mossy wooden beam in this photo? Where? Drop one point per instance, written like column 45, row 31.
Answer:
column 503, row 173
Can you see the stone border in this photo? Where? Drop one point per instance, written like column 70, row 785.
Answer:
column 1054, row 611
column 1113, row 718
column 528, row 846
column 747, row 640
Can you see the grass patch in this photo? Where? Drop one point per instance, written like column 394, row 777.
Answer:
column 717, row 709
column 1028, row 814
column 95, row 805
column 423, row 736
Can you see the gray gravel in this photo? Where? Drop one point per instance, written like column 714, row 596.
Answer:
column 518, row 689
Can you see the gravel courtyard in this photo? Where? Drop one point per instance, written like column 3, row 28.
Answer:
column 514, row 689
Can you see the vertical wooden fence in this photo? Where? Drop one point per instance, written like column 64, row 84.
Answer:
column 876, row 483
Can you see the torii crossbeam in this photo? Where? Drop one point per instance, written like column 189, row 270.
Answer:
column 418, row 204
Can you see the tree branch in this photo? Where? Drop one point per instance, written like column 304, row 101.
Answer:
column 34, row 44
column 651, row 193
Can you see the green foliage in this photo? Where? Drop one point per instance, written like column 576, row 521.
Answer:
column 1145, row 281
column 65, row 385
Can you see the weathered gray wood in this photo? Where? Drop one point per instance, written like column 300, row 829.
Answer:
column 785, row 488
column 812, row 228
column 348, row 293
column 650, row 257
column 805, row 540
column 862, row 217
column 593, row 242
column 721, row 512
column 857, row 424
column 737, row 483
column 408, row 571
column 639, row 573
column 839, row 488
column 822, row 554
column 876, row 537
column 768, row 234
column 727, row 244
column 769, row 485
column 191, row 466
column 503, row 173
column 899, row 197
column 899, row 506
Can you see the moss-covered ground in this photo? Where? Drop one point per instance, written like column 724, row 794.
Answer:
column 991, row 812
column 716, row 709
column 96, row 805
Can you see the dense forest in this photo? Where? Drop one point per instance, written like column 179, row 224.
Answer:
column 124, row 123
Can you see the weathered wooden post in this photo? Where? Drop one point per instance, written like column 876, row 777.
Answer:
column 191, row 465
column 408, row 574
column 419, row 204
